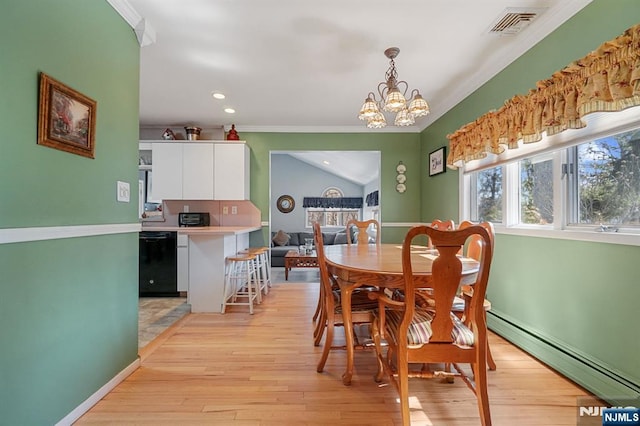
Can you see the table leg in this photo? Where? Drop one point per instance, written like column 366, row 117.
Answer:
column 345, row 296
column 286, row 272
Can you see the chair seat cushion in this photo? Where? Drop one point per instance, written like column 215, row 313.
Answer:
column 359, row 300
column 424, row 299
column 419, row 331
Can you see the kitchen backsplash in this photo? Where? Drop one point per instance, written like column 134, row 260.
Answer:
column 222, row 213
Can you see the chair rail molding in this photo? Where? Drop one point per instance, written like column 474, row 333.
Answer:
column 21, row 235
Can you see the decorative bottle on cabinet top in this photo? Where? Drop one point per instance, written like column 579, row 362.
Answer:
column 233, row 135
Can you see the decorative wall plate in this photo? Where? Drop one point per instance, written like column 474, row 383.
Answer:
column 285, row 203
column 401, row 168
column 401, row 187
column 401, row 178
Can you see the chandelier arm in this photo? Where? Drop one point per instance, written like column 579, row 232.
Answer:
column 406, row 87
column 383, row 89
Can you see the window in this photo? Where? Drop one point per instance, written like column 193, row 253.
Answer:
column 332, row 216
column 487, row 195
column 591, row 186
column 536, row 190
column 605, row 181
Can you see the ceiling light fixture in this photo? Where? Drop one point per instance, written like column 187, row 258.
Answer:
column 392, row 99
column 229, row 110
column 217, row 95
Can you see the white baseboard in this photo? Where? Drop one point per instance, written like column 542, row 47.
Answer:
column 99, row 394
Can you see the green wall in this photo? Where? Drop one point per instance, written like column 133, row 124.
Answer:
column 68, row 311
column 570, row 303
column 393, row 147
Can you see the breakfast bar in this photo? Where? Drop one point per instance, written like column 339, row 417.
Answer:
column 207, row 248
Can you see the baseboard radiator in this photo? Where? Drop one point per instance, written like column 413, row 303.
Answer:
column 598, row 378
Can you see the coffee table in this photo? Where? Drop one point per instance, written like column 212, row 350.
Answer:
column 293, row 259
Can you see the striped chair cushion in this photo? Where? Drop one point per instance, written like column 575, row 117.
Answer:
column 359, row 301
column 420, row 332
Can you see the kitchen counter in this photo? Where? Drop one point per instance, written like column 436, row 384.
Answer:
column 202, row 253
column 204, row 230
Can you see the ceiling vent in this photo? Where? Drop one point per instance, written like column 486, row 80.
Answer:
column 513, row 20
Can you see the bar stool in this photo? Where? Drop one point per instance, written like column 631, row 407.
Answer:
column 241, row 282
column 263, row 266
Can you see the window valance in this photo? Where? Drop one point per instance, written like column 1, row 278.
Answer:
column 607, row 79
column 333, row 202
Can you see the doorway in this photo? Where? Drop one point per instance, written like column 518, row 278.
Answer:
column 300, row 174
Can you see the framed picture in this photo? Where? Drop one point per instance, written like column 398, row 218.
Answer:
column 436, row 161
column 66, row 118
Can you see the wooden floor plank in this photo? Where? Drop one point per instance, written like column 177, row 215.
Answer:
column 260, row 370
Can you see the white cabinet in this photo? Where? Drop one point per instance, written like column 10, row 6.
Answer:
column 167, row 171
column 200, row 170
column 231, row 171
column 183, row 171
column 197, row 171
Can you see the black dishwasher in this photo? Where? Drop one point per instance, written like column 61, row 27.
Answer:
column 158, row 272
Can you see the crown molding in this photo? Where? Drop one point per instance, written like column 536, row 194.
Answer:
column 323, row 129
column 145, row 33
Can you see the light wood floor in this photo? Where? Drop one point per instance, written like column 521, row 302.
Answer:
column 240, row 369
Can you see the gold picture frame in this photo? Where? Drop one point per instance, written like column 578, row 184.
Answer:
column 66, row 118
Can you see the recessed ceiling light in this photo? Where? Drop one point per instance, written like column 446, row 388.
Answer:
column 217, row 95
column 326, row 162
column 229, row 110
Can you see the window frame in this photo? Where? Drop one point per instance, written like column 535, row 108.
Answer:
column 331, row 191
column 599, row 125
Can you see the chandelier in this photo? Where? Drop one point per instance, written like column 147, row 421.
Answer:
column 392, row 99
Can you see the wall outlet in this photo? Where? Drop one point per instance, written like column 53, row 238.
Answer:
column 234, row 209
column 225, row 209
column 123, row 191
column 185, row 209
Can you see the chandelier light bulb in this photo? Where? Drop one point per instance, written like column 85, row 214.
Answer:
column 395, row 101
column 369, row 109
column 377, row 121
column 418, row 106
column 403, row 118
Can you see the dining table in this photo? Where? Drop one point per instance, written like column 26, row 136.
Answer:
column 379, row 265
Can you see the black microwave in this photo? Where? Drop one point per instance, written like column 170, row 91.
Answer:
column 193, row 219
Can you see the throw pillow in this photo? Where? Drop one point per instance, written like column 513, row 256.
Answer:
column 341, row 238
column 281, row 238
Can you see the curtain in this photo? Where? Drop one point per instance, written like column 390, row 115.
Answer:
column 607, row 79
column 333, row 202
column 372, row 198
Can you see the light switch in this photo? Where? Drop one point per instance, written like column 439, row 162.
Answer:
column 225, row 210
column 234, row 209
column 123, row 192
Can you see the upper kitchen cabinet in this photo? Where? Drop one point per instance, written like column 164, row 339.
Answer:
column 182, row 171
column 231, row 171
column 200, row 171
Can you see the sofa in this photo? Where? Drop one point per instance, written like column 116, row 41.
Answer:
column 280, row 244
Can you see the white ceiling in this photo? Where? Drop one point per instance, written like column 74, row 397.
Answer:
column 294, row 65
column 361, row 167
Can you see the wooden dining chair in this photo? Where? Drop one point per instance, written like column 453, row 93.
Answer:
column 362, row 307
column 362, row 231
column 474, row 251
column 443, row 225
column 416, row 336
